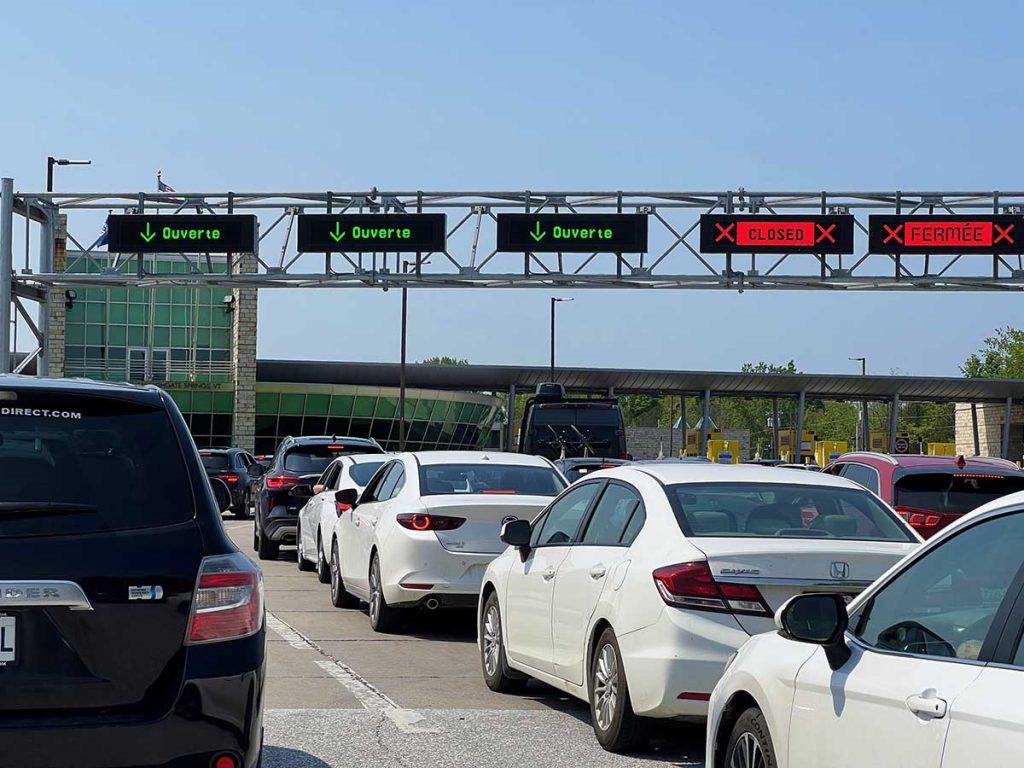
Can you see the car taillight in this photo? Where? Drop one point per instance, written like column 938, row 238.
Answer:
column 281, row 481
column 919, row 518
column 422, row 522
column 341, row 508
column 691, row 585
column 229, row 478
column 228, row 600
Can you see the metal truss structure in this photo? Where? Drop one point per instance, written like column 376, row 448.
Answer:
column 470, row 259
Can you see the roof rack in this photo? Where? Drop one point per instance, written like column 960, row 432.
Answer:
column 871, row 454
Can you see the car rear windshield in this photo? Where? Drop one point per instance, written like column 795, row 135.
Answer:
column 215, row 461
column 441, row 479
column 313, row 459
column 954, row 493
column 782, row 510
column 361, row 473
column 77, row 464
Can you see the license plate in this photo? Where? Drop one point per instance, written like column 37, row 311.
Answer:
column 7, row 640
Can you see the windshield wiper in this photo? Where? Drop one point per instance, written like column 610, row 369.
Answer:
column 15, row 509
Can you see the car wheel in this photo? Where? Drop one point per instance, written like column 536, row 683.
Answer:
column 493, row 661
column 243, row 511
column 323, row 568
column 750, row 743
column 617, row 727
column 340, row 597
column 383, row 618
column 265, row 548
column 304, row 565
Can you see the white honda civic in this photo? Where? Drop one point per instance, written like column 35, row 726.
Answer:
column 427, row 525
column 318, row 516
column 923, row 670
column 634, row 586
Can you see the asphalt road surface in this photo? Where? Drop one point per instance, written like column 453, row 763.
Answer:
column 339, row 694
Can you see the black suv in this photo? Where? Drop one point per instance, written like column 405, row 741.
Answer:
column 239, row 471
column 299, row 461
column 131, row 628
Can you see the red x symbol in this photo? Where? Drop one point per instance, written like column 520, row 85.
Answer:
column 893, row 233
column 1004, row 234
column 724, row 232
column 825, row 233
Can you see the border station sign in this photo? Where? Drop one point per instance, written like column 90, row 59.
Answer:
column 366, row 232
column 766, row 233
column 181, row 233
column 952, row 234
column 572, row 232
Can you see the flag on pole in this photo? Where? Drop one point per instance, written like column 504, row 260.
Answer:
column 162, row 187
column 103, row 238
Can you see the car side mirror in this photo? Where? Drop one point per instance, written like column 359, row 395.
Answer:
column 349, row 496
column 257, row 470
column 303, row 491
column 821, row 619
column 516, row 533
column 221, row 494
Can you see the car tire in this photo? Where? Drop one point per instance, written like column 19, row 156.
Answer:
column 265, row 548
column 340, row 597
column 242, row 513
column 493, row 662
column 750, row 743
column 323, row 567
column 300, row 556
column 617, row 727
column 383, row 618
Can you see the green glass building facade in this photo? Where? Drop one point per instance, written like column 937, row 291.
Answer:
column 180, row 338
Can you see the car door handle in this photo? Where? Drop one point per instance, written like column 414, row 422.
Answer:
column 548, row 574
column 927, row 704
column 598, row 572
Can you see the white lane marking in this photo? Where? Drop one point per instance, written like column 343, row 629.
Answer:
column 367, row 694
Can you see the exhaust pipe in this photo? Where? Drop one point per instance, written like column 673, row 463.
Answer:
column 432, row 603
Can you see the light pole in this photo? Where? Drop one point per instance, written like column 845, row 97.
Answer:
column 554, row 300
column 52, row 161
column 865, row 431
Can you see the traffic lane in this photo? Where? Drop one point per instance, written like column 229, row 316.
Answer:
column 345, row 683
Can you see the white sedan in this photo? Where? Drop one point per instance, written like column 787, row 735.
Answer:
column 427, row 525
column 634, row 586
column 318, row 516
column 923, row 669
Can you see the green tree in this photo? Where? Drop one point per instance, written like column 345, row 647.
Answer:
column 444, row 360
column 1002, row 357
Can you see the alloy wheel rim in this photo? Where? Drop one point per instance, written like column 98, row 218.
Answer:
column 606, row 687
column 374, row 591
column 747, row 753
column 335, row 574
column 492, row 640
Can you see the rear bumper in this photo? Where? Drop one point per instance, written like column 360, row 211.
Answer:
column 413, row 557
column 684, row 652
column 211, row 716
column 280, row 524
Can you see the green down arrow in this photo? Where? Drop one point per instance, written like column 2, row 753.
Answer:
column 337, row 234
column 148, row 235
column 537, row 234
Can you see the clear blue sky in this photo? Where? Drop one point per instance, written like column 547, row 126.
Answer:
column 540, row 94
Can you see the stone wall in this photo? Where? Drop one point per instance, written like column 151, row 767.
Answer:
column 243, row 359
column 56, row 313
column 990, row 430
column 647, row 442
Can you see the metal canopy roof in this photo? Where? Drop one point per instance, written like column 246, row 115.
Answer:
column 499, row 378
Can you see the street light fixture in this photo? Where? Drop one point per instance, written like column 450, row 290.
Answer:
column 554, row 300
column 865, row 432
column 52, row 161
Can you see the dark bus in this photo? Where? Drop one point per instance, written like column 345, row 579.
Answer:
column 558, row 427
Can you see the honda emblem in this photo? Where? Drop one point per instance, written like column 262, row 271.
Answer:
column 839, row 570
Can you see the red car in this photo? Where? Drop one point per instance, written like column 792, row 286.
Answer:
column 930, row 492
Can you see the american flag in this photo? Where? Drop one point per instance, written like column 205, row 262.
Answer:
column 162, row 187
